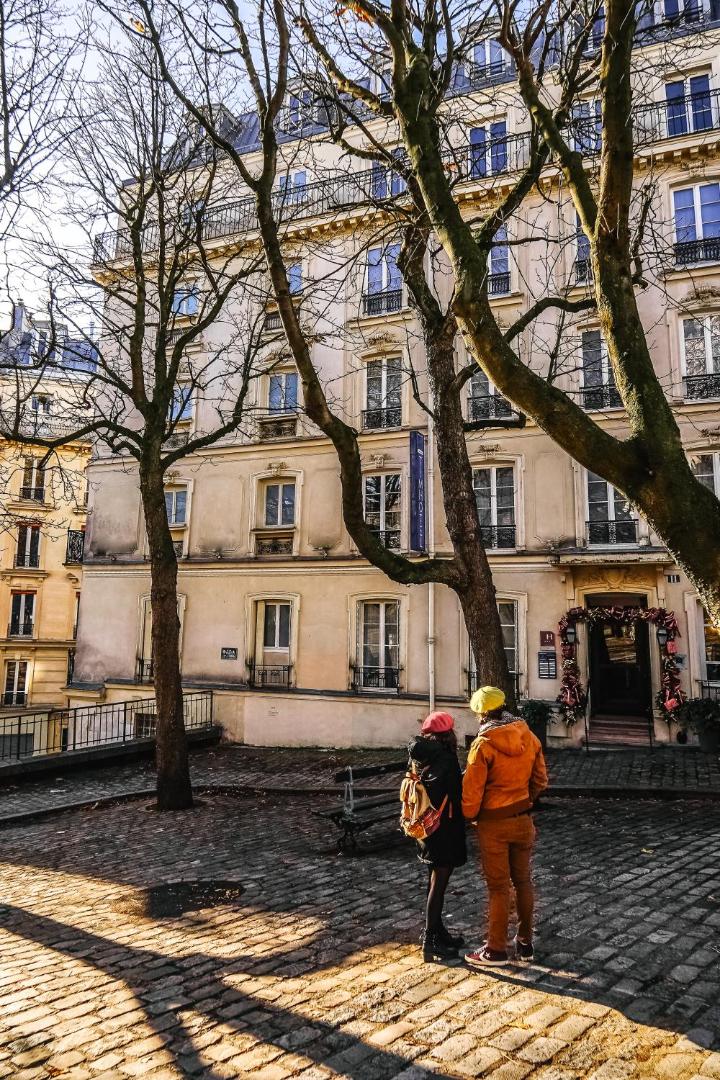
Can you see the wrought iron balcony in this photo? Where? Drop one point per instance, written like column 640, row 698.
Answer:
column 29, row 560
column 273, row 545
column 606, row 396
column 473, row 683
column 75, row 546
column 35, row 494
column 377, row 678
column 144, row 670
column 489, row 407
column 14, row 697
column 498, row 536
column 270, row 676
column 278, row 427
column 272, row 322
column 478, row 75
column 22, row 628
column 373, row 419
column 382, row 303
column 702, row 387
column 710, row 690
column 498, row 284
column 697, row 251
column 583, row 272
column 389, row 538
column 606, row 533
column 687, row 115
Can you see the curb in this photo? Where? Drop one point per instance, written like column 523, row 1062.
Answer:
column 561, row 791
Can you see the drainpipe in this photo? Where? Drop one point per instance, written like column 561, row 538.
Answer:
column 430, row 526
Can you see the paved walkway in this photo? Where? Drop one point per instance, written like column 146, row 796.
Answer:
column 661, row 771
column 314, row 973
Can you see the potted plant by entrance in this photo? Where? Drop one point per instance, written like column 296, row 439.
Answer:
column 536, row 715
column 702, row 715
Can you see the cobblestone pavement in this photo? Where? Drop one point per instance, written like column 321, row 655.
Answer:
column 675, row 769
column 315, row 972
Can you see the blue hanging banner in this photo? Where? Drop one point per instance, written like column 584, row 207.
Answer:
column 417, row 491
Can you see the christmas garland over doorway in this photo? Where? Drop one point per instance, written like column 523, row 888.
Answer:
column 573, row 696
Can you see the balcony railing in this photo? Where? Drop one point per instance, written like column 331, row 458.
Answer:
column 382, row 303
column 373, row 419
column 270, row 676
column 273, row 545
column 710, row 690
column 498, row 284
column 477, row 75
column 606, row 533
column 601, row 397
column 144, row 670
column 473, row 683
column 277, row 427
column 29, row 560
column 36, row 494
column 377, row 678
column 272, row 322
column 22, row 628
column 702, row 387
column 498, row 536
column 490, row 407
column 697, row 251
column 389, row 538
column 680, row 116
column 583, row 272
column 75, row 546
column 14, row 697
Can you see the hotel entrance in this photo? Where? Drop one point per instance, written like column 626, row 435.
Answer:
column 620, row 678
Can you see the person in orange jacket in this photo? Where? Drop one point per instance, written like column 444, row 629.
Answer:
column 504, row 776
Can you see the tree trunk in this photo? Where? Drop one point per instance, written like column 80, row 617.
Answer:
column 476, row 590
column 174, row 791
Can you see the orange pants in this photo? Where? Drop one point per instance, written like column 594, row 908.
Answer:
column 505, row 851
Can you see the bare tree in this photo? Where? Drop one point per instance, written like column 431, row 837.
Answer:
column 561, row 53
column 220, row 39
column 137, row 161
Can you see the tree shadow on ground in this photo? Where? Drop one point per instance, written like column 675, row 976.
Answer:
column 628, row 918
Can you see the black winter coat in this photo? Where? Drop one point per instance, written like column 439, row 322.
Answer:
column 440, row 771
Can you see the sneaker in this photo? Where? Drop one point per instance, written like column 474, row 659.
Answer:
column 485, row 957
column 524, row 952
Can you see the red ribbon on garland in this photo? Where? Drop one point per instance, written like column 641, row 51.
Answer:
column 573, row 696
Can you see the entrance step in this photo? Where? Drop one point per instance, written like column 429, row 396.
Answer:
column 619, row 730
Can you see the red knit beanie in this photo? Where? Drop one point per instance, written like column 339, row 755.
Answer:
column 437, row 722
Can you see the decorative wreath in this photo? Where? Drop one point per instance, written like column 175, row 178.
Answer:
column 573, row 696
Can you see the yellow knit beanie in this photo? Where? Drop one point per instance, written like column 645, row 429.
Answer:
column 487, row 699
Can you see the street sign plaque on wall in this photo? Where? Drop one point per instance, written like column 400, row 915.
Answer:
column 547, row 637
column 227, row 653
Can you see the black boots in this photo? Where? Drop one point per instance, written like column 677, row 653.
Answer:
column 455, row 940
column 435, row 948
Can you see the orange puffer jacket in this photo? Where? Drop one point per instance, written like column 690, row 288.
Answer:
column 505, row 772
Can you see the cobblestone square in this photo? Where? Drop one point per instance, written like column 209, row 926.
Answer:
column 315, row 970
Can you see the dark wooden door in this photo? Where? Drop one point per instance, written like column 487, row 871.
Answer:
column 620, row 669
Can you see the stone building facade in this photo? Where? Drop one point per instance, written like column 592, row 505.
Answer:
column 306, row 643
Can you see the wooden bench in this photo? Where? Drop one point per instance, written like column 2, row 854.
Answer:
column 359, row 813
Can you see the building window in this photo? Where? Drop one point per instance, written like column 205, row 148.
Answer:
column 383, row 507
column 495, row 500
column 499, row 277
column 276, row 625
column 28, row 546
column 701, row 356
column 280, row 504
column 711, row 639
column 583, row 262
column 186, row 300
column 22, row 614
column 176, row 506
column 293, row 187
column 41, row 404
column 688, row 105
column 485, row 402
column 181, row 408
column 383, row 388
column 707, row 470
column 298, row 112
column 686, row 11
column 379, row 645
column 295, row 278
column 508, row 613
column 610, row 518
column 488, row 150
column 283, row 392
column 386, row 181
column 384, row 281
column 587, row 127
column 15, row 693
column 488, row 59
column 33, row 480
column 697, row 223
column 599, row 390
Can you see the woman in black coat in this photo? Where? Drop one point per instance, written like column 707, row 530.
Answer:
column 434, row 754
